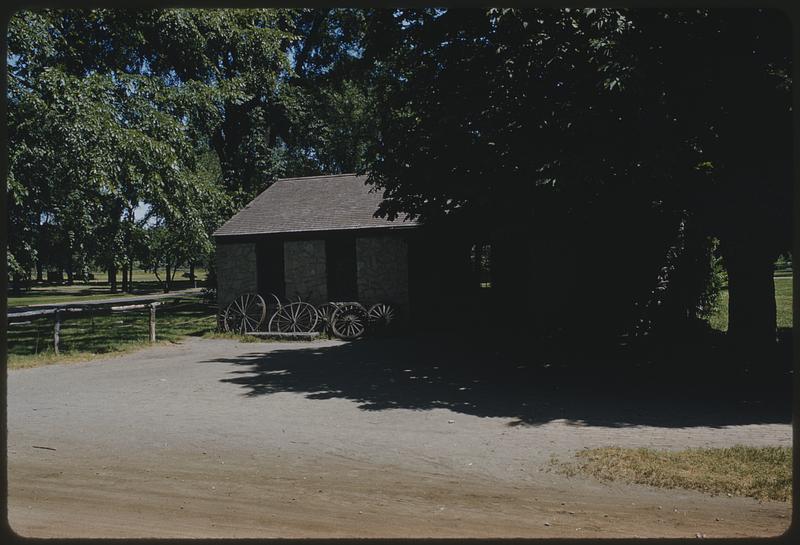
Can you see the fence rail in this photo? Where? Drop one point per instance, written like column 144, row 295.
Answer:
column 60, row 314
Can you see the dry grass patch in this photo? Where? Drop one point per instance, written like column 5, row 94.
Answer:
column 764, row 473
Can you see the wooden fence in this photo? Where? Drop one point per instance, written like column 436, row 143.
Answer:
column 60, row 314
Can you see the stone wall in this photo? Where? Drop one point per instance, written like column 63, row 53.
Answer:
column 304, row 270
column 236, row 271
column 381, row 268
column 382, row 265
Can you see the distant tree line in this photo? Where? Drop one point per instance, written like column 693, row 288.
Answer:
column 652, row 148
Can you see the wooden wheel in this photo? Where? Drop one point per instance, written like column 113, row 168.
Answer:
column 349, row 321
column 245, row 313
column 382, row 315
column 296, row 317
column 325, row 312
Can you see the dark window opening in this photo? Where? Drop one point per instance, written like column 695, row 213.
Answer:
column 481, row 259
column 269, row 268
column 340, row 256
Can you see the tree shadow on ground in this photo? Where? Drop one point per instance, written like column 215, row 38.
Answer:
column 532, row 385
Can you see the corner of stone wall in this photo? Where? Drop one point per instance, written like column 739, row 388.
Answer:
column 382, row 268
column 236, row 271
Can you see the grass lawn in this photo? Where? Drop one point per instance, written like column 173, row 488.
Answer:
column 783, row 303
column 82, row 337
column 144, row 283
column 64, row 294
column 764, row 473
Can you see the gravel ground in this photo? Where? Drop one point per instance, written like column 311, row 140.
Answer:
column 384, row 437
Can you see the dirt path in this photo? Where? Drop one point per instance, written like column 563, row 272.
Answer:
column 222, row 439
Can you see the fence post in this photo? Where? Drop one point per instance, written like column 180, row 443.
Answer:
column 56, row 330
column 152, row 322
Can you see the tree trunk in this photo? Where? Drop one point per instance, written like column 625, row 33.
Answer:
column 16, row 284
column 130, row 270
column 70, row 275
column 752, row 322
column 167, row 278
column 112, row 278
column 128, row 252
column 125, row 280
column 39, row 277
column 191, row 274
column 116, row 211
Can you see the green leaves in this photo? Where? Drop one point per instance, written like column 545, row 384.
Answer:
column 110, row 109
column 598, row 128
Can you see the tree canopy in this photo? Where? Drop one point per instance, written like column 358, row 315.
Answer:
column 642, row 144
column 634, row 136
column 115, row 110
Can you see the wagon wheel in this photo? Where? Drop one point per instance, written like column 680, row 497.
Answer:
column 382, row 315
column 349, row 321
column 325, row 312
column 296, row 317
column 245, row 313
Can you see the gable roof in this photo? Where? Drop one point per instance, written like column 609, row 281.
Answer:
column 314, row 203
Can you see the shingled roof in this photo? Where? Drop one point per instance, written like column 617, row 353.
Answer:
column 314, row 203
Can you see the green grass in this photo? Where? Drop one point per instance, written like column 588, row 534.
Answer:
column 61, row 295
column 82, row 337
column 783, row 303
column 144, row 283
column 764, row 473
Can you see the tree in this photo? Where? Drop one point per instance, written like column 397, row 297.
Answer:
column 229, row 66
column 720, row 82
column 109, row 109
column 328, row 103
column 575, row 125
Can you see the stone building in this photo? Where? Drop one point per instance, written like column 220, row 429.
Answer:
column 316, row 238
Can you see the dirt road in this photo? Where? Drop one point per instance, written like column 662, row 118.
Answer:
column 214, row 438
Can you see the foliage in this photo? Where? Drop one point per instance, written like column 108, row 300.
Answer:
column 622, row 139
column 328, row 104
column 184, row 113
column 330, row 127
column 784, row 262
column 606, row 130
column 110, row 110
